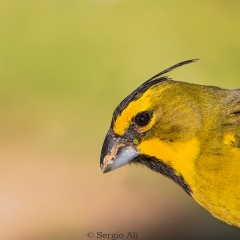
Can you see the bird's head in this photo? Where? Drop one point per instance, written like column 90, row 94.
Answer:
column 155, row 125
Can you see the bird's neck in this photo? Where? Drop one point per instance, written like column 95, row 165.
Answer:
column 180, row 155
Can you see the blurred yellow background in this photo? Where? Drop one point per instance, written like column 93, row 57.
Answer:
column 64, row 67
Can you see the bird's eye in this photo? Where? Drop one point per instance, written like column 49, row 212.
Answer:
column 142, row 119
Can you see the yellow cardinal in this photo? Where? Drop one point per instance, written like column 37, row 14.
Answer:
column 187, row 132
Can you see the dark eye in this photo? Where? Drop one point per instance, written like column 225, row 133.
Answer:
column 142, row 119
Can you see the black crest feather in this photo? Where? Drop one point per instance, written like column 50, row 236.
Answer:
column 146, row 85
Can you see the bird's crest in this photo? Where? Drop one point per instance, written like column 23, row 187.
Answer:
column 146, row 85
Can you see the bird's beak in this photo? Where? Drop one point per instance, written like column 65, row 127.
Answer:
column 116, row 152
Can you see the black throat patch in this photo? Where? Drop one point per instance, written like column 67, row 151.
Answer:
column 164, row 169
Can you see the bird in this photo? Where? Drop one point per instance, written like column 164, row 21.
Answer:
column 187, row 132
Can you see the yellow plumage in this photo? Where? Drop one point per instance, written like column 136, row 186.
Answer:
column 188, row 132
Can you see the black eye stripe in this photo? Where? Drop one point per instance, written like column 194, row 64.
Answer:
column 142, row 119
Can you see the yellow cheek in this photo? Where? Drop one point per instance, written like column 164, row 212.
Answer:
column 229, row 139
column 179, row 155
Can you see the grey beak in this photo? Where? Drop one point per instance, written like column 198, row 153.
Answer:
column 116, row 152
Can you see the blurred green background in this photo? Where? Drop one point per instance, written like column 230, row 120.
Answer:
column 64, row 67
